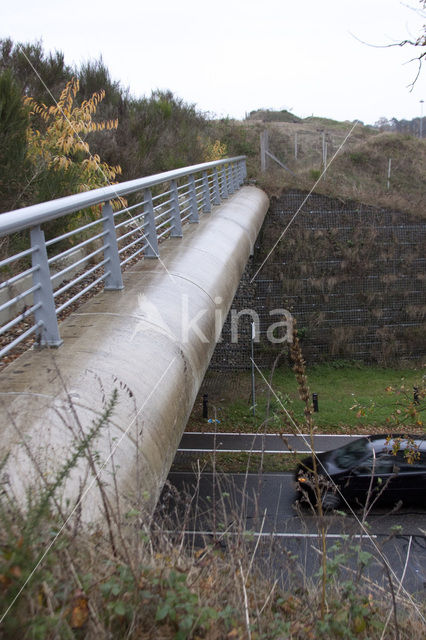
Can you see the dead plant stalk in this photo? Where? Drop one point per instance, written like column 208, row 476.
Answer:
column 304, row 394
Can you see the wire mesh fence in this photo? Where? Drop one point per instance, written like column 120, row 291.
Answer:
column 353, row 276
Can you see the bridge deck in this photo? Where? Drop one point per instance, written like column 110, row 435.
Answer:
column 139, row 340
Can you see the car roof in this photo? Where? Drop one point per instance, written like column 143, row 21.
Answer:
column 405, row 441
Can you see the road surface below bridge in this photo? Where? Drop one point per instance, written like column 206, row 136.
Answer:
column 259, row 443
column 263, row 506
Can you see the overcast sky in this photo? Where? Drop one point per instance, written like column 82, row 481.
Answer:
column 232, row 56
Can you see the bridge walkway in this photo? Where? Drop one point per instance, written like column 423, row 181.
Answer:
column 152, row 341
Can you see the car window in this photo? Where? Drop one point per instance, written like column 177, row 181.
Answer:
column 380, row 465
column 418, row 461
column 352, row 453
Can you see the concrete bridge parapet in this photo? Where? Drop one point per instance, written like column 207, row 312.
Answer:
column 152, row 341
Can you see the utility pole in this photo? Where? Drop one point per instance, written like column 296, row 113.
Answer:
column 421, row 120
column 324, row 151
column 263, row 150
column 253, row 380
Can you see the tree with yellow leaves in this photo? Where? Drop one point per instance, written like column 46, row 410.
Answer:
column 57, row 146
column 214, row 151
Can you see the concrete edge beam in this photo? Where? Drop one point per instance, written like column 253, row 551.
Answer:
column 152, row 342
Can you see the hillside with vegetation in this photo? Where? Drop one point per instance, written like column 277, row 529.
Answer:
column 357, row 163
column 144, row 136
column 159, row 132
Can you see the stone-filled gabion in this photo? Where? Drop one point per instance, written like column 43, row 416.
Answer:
column 352, row 275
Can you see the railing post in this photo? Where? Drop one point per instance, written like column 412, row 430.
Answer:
column 236, row 177
column 151, row 250
column 177, row 222
column 113, row 280
column 231, row 187
column 224, row 183
column 48, row 335
column 193, row 197
column 240, row 173
column 216, row 188
column 235, row 182
column 207, row 205
column 243, row 170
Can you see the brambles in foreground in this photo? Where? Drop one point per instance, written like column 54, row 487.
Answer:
column 135, row 576
column 157, row 586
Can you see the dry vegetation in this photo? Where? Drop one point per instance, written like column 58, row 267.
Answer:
column 359, row 170
column 132, row 575
column 361, row 173
column 156, row 586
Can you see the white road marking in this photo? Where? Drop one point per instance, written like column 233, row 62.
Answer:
column 209, row 473
column 273, row 534
column 219, row 450
column 275, row 435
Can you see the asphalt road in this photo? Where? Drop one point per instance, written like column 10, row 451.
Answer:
column 258, row 443
column 263, row 505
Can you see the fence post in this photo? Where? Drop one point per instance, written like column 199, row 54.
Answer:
column 207, row 206
column 151, row 250
column 193, row 197
column 177, row 222
column 389, row 172
column 216, row 188
column 113, row 280
column 263, row 150
column 48, row 334
column 324, row 150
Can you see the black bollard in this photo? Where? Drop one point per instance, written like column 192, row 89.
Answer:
column 315, row 402
column 205, row 406
column 416, row 395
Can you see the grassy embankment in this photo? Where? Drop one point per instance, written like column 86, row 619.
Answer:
column 359, row 169
column 353, row 398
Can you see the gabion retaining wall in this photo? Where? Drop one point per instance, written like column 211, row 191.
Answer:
column 352, row 275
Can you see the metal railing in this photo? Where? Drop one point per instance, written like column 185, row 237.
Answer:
column 50, row 275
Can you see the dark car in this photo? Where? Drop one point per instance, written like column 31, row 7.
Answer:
column 387, row 468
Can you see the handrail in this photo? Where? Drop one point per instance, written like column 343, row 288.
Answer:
column 13, row 221
column 113, row 240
